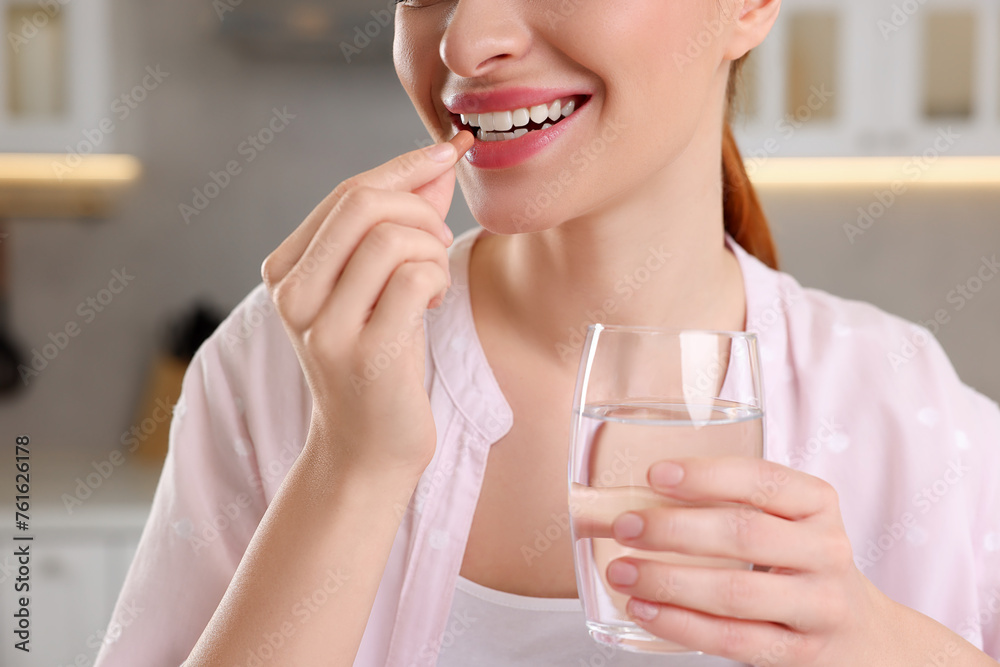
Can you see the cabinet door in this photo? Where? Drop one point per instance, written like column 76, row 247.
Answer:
column 69, row 602
column 888, row 93
column 68, row 47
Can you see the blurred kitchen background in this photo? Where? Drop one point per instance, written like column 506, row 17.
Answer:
column 169, row 93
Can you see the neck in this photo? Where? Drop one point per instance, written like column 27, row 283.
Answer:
column 654, row 256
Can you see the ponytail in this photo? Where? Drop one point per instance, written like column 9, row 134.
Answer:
column 744, row 218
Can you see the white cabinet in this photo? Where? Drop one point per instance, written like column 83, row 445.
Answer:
column 75, row 579
column 66, row 43
column 79, row 556
column 900, row 72
column 67, row 586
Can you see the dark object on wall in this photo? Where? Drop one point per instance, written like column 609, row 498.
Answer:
column 11, row 355
column 187, row 335
column 345, row 31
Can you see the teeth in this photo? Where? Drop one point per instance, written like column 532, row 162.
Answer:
column 483, row 135
column 501, row 136
column 504, row 121
column 539, row 113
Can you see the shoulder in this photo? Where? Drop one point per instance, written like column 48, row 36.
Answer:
column 820, row 324
column 880, row 374
column 249, row 369
column 823, row 333
column 250, row 342
column 892, row 358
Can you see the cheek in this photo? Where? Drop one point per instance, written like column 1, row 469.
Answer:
column 672, row 49
column 642, row 27
column 652, row 79
column 407, row 54
column 416, row 60
column 655, row 59
column 402, row 50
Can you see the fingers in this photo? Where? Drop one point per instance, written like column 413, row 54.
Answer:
column 744, row 594
column 766, row 485
column 415, row 168
column 386, row 247
column 751, row 642
column 307, row 286
column 406, row 295
column 404, row 173
column 734, row 532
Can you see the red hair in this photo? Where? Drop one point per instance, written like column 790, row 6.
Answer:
column 744, row 218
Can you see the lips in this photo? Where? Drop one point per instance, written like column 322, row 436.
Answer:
column 507, row 99
column 511, row 152
column 498, row 146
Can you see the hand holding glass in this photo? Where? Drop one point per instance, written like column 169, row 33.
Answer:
column 645, row 395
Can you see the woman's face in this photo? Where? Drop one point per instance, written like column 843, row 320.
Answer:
column 647, row 77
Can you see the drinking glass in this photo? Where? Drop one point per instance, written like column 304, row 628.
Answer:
column 644, row 395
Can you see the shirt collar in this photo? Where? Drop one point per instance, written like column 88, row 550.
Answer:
column 458, row 355
column 466, row 375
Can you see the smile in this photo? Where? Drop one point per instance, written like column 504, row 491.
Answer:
column 514, row 124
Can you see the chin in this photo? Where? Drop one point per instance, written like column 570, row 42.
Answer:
column 520, row 212
column 500, row 221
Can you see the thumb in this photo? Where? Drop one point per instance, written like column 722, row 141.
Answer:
column 439, row 192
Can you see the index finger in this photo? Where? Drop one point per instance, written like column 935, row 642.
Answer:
column 769, row 486
column 405, row 172
column 409, row 171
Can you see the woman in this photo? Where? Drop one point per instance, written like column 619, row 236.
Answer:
column 356, row 479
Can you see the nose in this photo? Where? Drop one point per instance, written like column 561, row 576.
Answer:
column 481, row 35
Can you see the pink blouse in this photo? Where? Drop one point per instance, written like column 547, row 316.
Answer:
column 913, row 452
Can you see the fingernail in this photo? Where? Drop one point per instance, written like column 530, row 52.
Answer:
column 622, row 573
column 450, row 234
column 642, row 610
column 442, row 152
column 627, row 526
column 665, row 474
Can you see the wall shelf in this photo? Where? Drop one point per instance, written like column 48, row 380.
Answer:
column 55, row 185
column 900, row 173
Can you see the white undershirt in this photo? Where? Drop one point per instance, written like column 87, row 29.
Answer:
column 490, row 628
